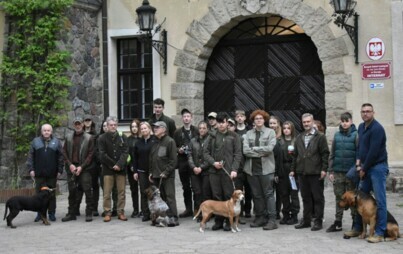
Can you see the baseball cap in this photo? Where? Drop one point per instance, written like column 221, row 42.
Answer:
column 78, row 119
column 87, row 117
column 231, row 121
column 185, row 110
column 160, row 124
column 212, row 115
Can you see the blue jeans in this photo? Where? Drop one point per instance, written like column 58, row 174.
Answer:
column 375, row 180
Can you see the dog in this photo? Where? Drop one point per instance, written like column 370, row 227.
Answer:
column 366, row 207
column 37, row 203
column 158, row 207
column 230, row 209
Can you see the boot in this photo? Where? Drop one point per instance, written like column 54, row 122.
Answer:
column 285, row 219
column 317, row 225
column 293, row 220
column 69, row 217
column 52, row 216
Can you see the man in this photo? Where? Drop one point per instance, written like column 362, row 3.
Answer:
column 223, row 153
column 45, row 164
column 373, row 166
column 212, row 122
column 241, row 181
column 163, row 161
column 260, row 168
column 182, row 139
column 342, row 158
column 113, row 152
column 310, row 163
column 159, row 105
column 78, row 150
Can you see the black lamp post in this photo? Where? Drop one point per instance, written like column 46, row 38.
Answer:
column 146, row 19
column 344, row 9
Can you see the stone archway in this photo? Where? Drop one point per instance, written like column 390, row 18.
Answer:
column 223, row 15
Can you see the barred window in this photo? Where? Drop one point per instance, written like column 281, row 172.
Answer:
column 135, row 84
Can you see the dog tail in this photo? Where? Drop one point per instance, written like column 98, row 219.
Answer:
column 197, row 214
column 5, row 211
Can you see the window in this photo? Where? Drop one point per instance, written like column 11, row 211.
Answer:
column 135, row 84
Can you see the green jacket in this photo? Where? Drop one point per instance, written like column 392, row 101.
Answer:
column 86, row 150
column 169, row 122
column 113, row 150
column 313, row 159
column 163, row 157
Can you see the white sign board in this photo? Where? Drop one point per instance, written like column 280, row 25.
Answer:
column 376, row 85
column 375, row 49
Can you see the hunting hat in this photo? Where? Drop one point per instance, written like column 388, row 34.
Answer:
column 160, row 124
column 78, row 119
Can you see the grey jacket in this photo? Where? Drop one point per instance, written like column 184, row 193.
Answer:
column 264, row 151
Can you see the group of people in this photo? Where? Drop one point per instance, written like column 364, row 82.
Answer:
column 266, row 159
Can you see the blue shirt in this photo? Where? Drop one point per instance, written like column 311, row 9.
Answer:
column 371, row 145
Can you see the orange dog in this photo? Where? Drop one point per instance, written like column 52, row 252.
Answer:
column 230, row 209
column 366, row 207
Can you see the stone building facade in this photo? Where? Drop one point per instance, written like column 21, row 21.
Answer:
column 195, row 27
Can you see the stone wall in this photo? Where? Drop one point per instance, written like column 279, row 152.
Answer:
column 85, row 94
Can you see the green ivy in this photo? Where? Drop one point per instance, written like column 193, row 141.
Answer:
column 34, row 81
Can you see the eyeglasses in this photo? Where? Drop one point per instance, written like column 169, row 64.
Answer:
column 366, row 111
column 258, row 118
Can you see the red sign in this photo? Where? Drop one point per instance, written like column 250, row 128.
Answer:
column 376, row 70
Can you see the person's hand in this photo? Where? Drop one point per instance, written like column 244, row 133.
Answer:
column 72, row 169
column 322, row 175
column 291, row 173
column 197, row 170
column 276, row 179
column 218, row 165
column 150, row 178
column 136, row 176
column 78, row 171
column 162, row 175
column 116, row 168
column 331, row 177
column 233, row 174
column 32, row 173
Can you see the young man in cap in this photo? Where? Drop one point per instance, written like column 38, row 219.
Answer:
column 159, row 105
column 78, row 150
column 182, row 137
column 212, row 122
column 223, row 153
column 163, row 161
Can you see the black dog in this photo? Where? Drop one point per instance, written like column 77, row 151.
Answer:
column 38, row 203
column 158, row 207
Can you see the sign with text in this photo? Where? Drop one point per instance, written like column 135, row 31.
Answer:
column 376, row 70
column 376, row 85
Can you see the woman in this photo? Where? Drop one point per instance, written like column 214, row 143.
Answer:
column 275, row 124
column 134, row 187
column 289, row 196
column 200, row 178
column 140, row 162
column 258, row 145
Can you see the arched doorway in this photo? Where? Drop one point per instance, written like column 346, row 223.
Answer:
column 267, row 63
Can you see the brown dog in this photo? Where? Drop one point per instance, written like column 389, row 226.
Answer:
column 230, row 209
column 366, row 207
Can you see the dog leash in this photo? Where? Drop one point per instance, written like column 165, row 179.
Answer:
column 233, row 184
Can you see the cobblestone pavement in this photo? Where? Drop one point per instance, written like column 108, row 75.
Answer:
column 134, row 236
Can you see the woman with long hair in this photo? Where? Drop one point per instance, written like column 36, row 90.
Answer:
column 141, row 164
column 134, row 187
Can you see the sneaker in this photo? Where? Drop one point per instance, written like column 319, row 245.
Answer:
column 88, row 218
column 375, row 239
column 352, row 233
column 38, row 217
column 52, row 216
column 270, row 226
column 69, row 217
column 335, row 227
